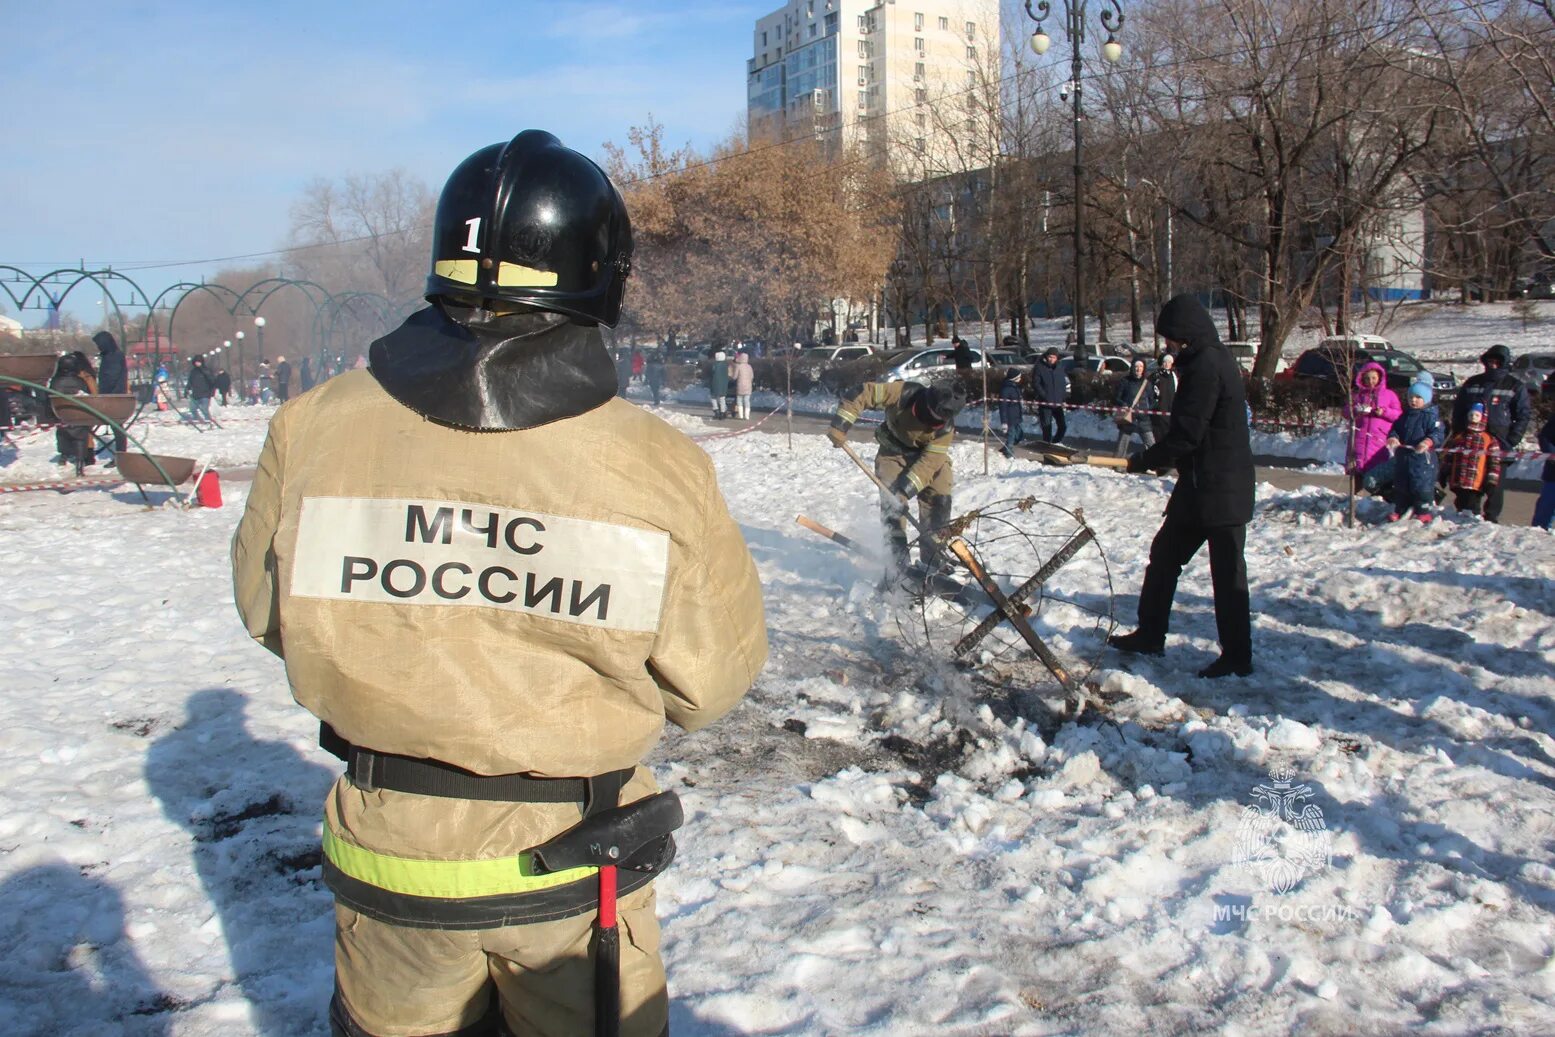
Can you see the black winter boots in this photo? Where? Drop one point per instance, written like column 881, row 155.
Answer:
column 1138, row 643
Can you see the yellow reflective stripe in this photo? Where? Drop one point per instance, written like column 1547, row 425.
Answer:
column 515, row 275
column 850, row 416
column 913, row 477
column 458, row 880
column 937, row 447
column 461, row 270
column 878, row 394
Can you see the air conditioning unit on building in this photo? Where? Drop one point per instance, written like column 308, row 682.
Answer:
column 818, row 98
column 862, row 81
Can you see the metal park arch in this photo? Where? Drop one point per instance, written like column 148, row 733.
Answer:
column 51, row 289
column 383, row 309
column 40, row 289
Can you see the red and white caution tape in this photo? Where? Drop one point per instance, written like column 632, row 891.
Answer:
column 62, row 484
column 704, row 436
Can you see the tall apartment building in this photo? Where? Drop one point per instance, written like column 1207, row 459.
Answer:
column 864, row 72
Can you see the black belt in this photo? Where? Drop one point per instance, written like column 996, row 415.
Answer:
column 370, row 770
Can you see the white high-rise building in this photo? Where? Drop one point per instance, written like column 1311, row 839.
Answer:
column 865, row 73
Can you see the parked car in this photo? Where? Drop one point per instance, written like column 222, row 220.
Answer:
column 1331, row 359
column 1244, row 352
column 1097, row 364
column 686, row 356
column 831, row 354
column 1534, row 369
column 1548, row 388
column 916, row 365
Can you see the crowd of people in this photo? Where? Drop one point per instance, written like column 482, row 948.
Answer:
column 1404, row 452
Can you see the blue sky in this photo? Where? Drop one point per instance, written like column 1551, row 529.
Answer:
column 144, row 134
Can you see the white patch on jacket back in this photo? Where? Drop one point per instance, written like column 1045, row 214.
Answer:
column 452, row 554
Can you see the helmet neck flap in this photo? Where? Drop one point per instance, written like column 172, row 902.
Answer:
column 467, row 368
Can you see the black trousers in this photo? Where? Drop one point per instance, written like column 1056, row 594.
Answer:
column 1175, row 544
column 1051, row 420
column 1495, row 500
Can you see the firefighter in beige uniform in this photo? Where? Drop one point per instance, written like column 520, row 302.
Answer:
column 914, row 456
column 492, row 582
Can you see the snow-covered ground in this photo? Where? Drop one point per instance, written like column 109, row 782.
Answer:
column 877, row 843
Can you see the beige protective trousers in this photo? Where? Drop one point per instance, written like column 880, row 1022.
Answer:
column 402, row 982
column 933, row 507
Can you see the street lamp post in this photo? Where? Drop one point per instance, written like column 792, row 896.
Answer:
column 259, row 333
column 242, row 381
column 1112, row 50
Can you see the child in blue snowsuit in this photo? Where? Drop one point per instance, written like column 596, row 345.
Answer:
column 1011, row 414
column 1414, row 440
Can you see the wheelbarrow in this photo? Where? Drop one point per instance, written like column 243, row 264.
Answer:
column 139, row 469
column 32, row 367
column 90, row 411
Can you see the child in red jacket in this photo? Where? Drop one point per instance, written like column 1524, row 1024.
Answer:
column 1472, row 463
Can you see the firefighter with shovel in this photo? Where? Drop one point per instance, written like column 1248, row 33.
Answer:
column 913, row 460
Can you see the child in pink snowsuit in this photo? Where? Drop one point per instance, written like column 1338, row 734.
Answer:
column 1375, row 408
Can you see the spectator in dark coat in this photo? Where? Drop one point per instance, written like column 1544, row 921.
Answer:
column 201, row 386
column 1207, row 440
column 718, row 384
column 73, row 441
column 1544, row 508
column 304, row 375
column 223, row 385
column 112, row 377
column 1011, row 414
column 1135, row 393
column 653, row 373
column 962, row 354
column 283, row 379
column 623, row 372
column 1507, row 412
column 1050, row 388
column 112, row 374
column 1165, row 379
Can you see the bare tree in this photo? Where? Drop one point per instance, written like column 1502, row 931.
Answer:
column 1298, row 128
column 368, row 233
column 751, row 239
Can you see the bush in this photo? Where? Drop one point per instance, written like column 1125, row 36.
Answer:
column 1300, row 401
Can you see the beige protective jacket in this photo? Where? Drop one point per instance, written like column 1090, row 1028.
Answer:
column 533, row 601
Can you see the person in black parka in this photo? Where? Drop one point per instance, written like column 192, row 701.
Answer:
column 1507, row 412
column 962, row 354
column 112, row 377
column 1011, row 413
column 1050, row 388
column 1207, row 440
column 201, row 386
column 1165, row 379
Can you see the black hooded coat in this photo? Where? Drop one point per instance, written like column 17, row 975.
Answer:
column 1206, row 436
column 112, row 377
